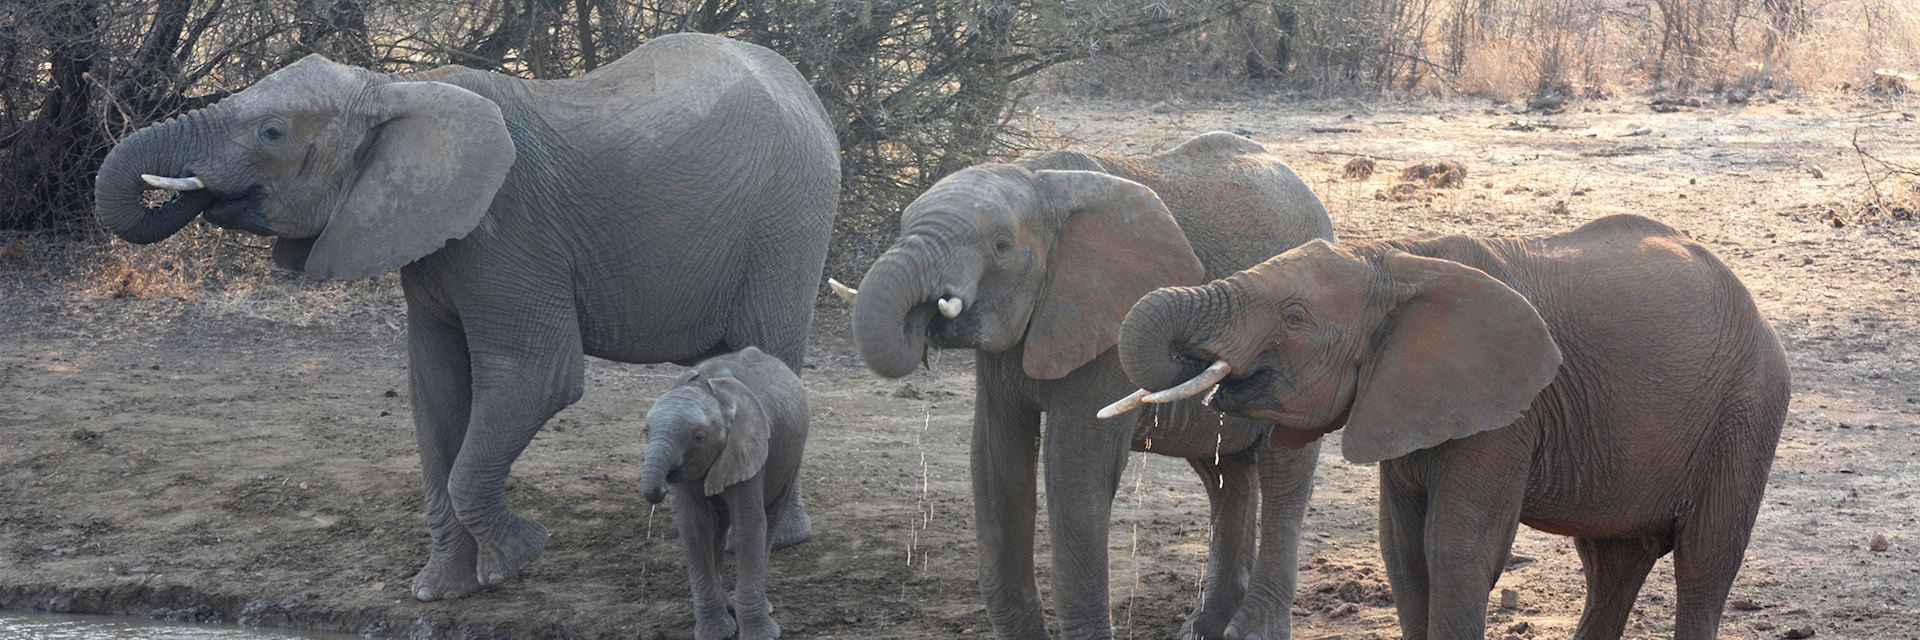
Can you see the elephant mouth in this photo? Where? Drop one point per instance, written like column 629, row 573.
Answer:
column 958, row 332
column 244, row 211
column 1241, row 394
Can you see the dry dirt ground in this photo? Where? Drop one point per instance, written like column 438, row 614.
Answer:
column 245, row 454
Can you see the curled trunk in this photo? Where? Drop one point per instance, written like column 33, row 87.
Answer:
column 1163, row 339
column 161, row 149
column 895, row 304
column 653, row 473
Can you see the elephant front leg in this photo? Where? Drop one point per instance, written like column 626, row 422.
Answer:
column 1231, row 489
column 703, row 530
column 439, row 382
column 1004, row 460
column 752, row 611
column 1286, row 484
column 516, row 389
column 1085, row 459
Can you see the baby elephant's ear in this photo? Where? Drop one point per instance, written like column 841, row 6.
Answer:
column 746, row 447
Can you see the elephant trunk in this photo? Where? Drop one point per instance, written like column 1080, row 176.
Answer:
column 163, row 150
column 897, row 300
column 1169, row 336
column 660, row 459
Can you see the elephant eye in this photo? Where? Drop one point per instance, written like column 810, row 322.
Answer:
column 272, row 132
column 1294, row 316
column 1002, row 245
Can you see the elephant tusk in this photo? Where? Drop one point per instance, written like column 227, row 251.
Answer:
column 1123, row 405
column 1212, row 376
column 951, row 307
column 845, row 292
column 189, row 183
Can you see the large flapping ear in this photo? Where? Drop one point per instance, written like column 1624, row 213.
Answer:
column 1118, row 243
column 747, row 433
column 437, row 156
column 1463, row 353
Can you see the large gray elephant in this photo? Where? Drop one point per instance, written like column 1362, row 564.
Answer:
column 1614, row 383
column 1033, row 265
column 672, row 205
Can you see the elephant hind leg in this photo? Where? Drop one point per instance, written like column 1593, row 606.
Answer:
column 1710, row 539
column 1615, row 568
column 789, row 524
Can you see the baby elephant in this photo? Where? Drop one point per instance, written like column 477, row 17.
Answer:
column 727, row 439
column 1614, row 383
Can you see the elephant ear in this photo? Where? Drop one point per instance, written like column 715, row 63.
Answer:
column 1118, row 242
column 435, row 157
column 1462, row 354
column 747, row 433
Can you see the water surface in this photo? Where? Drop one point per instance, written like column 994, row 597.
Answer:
column 34, row 625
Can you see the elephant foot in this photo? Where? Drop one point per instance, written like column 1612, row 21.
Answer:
column 1205, row 625
column 449, row 571
column 714, row 627
column 764, row 629
column 512, row 549
column 1263, row 629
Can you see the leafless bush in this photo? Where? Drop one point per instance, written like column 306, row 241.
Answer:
column 1529, row 49
column 916, row 88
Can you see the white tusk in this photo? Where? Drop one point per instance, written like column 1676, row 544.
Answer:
column 951, row 307
column 845, row 292
column 1212, row 376
column 1123, row 405
column 172, row 184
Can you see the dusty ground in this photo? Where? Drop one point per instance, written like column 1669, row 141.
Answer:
column 246, row 454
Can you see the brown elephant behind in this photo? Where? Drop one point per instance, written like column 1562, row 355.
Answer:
column 1614, row 383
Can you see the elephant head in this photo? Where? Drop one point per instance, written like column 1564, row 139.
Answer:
column 708, row 427
column 356, row 173
column 995, row 255
column 1404, row 351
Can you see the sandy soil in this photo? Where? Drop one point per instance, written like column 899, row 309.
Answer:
column 246, row 455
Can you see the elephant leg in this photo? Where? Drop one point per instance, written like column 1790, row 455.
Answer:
column 1286, row 485
column 789, row 524
column 517, row 387
column 1085, row 460
column 440, row 385
column 1003, row 465
column 1615, row 568
column 1473, row 511
column 752, row 611
column 702, row 533
column 1710, row 542
column 1231, row 491
column 1403, row 547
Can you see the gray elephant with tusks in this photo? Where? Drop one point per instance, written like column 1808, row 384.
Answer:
column 1033, row 265
column 669, row 206
column 728, row 440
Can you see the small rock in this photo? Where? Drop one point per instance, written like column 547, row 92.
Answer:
column 1798, row 633
column 1558, row 208
column 377, row 586
column 1817, row 172
column 849, row 620
column 1762, row 625
column 139, row 568
column 907, row 390
column 1879, row 542
column 1243, row 132
column 392, row 393
column 1519, row 627
column 1509, row 599
column 1744, row 604
column 1441, row 174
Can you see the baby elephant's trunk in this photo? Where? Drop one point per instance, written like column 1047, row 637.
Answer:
column 653, row 474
